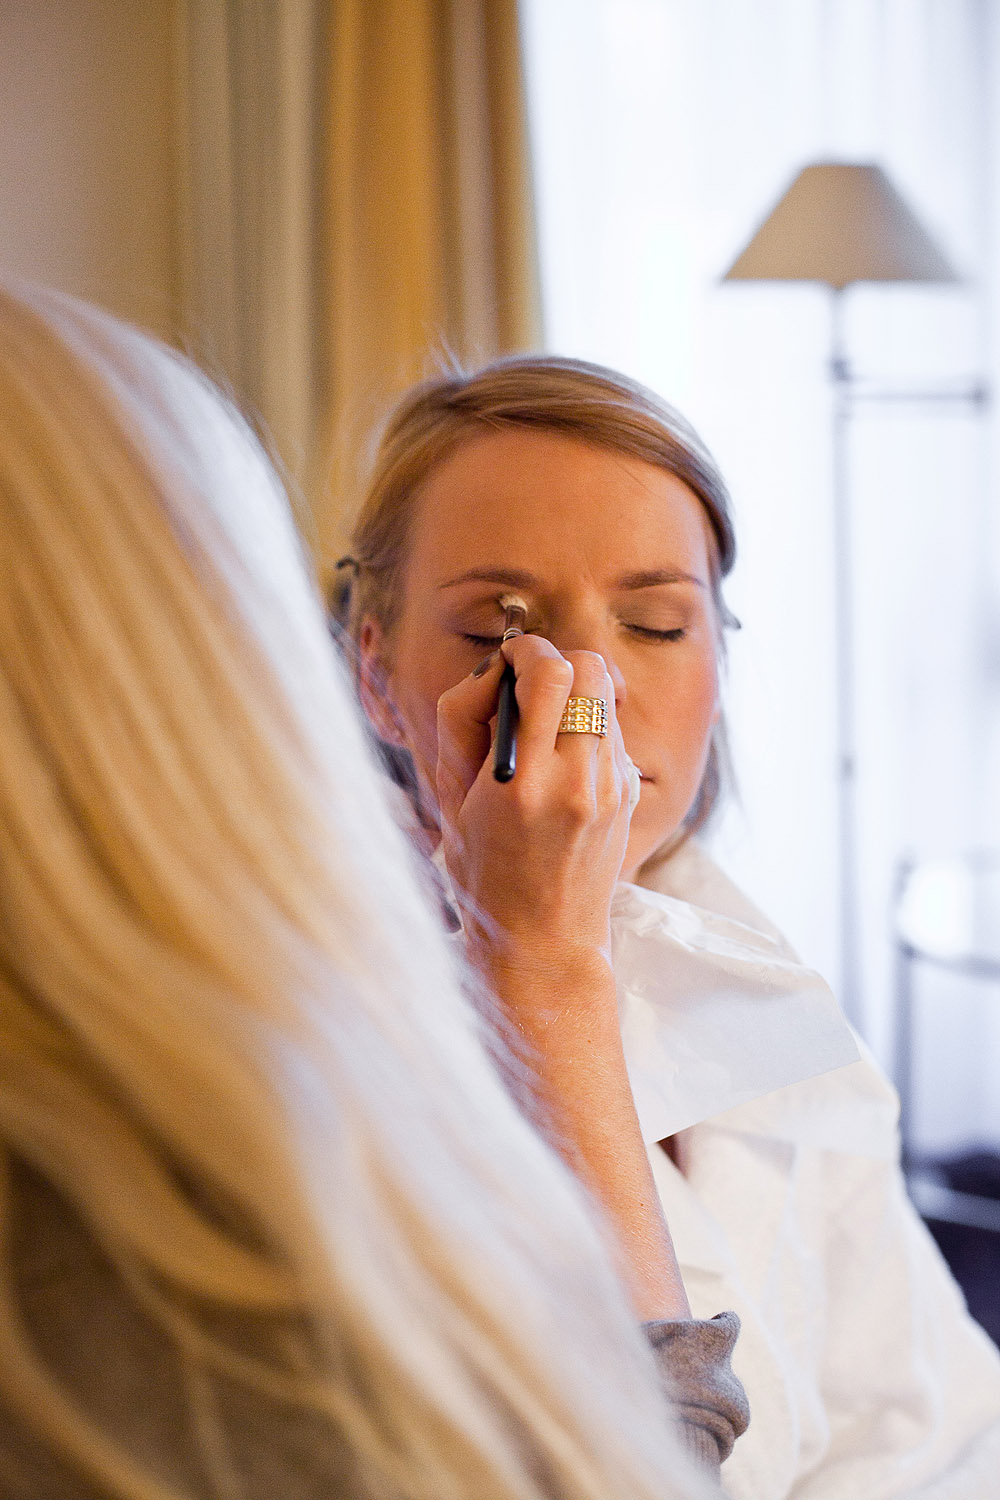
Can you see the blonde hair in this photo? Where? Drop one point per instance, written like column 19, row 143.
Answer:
column 231, row 1033
column 544, row 393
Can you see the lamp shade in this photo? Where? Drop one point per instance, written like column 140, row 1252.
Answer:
column 841, row 222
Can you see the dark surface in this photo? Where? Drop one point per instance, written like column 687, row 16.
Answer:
column 974, row 1172
column 974, row 1258
column 505, row 747
column 973, row 1254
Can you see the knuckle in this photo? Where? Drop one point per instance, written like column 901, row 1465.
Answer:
column 448, row 712
column 524, row 649
column 553, row 673
column 589, row 660
column 590, row 676
column 579, row 805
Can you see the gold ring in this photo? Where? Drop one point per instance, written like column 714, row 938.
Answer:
column 584, row 716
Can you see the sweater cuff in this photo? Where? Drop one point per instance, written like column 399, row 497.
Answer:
column 693, row 1358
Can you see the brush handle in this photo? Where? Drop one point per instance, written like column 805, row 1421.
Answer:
column 505, row 746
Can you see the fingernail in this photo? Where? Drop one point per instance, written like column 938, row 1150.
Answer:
column 485, row 664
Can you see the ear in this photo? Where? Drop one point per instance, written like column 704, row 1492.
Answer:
column 374, row 684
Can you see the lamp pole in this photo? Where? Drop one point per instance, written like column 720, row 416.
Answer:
column 847, row 834
column 846, row 393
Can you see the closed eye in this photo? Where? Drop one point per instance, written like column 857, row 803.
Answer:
column 490, row 641
column 647, row 633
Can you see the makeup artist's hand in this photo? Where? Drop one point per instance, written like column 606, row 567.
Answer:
column 535, row 859
column 534, row 862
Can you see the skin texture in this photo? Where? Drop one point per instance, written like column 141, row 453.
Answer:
column 581, row 533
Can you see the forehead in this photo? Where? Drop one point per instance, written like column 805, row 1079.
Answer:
column 534, row 498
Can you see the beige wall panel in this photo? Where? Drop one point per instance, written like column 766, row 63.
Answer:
column 87, row 161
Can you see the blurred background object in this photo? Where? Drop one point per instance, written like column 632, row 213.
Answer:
column 320, row 197
column 841, row 223
column 947, row 927
column 429, row 237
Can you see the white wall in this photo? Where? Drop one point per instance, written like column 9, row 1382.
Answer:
column 87, row 159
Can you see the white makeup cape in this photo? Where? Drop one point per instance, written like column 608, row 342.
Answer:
column 867, row 1380
column 714, row 1013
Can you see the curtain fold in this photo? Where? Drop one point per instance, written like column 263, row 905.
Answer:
column 250, row 98
column 429, row 232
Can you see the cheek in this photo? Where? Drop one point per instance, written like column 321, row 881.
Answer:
column 688, row 708
column 417, row 682
column 704, row 705
column 417, row 701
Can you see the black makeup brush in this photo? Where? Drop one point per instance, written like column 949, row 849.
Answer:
column 505, row 746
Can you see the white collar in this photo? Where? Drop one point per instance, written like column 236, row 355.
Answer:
column 714, row 1012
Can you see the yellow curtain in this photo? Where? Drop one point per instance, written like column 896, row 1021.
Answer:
column 249, row 80
column 429, row 232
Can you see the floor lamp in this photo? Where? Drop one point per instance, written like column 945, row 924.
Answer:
column 838, row 224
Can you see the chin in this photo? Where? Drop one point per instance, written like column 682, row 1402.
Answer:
column 644, row 843
column 636, row 856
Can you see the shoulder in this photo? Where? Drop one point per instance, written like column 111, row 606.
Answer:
column 849, row 1111
column 98, row 1336
column 691, row 874
column 94, row 1345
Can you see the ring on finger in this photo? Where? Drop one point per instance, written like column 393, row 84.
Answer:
column 584, row 716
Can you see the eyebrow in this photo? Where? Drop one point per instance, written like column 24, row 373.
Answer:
column 512, row 578
column 652, row 578
column 518, row 578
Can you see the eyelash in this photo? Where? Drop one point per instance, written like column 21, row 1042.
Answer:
column 645, row 632
column 648, row 633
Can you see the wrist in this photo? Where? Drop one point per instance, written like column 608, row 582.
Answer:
column 565, row 1013
column 546, row 977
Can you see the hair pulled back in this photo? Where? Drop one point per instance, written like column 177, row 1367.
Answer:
column 546, row 393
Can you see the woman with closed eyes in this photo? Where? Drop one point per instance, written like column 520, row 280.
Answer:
column 701, row 1082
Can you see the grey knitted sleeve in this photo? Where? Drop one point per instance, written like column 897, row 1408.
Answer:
column 693, row 1358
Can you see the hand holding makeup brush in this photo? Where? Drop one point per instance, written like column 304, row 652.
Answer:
column 536, row 858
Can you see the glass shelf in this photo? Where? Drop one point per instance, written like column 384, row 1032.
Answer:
column 948, row 912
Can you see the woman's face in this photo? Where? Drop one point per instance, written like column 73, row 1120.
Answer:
column 611, row 555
